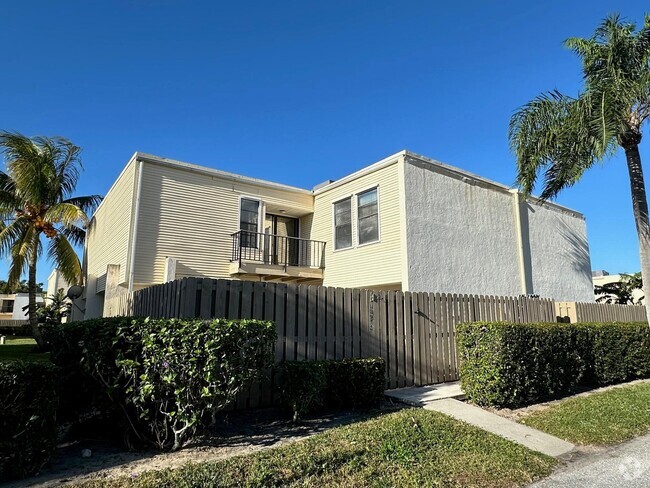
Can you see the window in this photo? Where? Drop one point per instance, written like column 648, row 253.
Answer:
column 368, row 216
column 249, row 217
column 7, row 306
column 343, row 224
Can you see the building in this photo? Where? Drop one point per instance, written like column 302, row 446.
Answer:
column 601, row 277
column 12, row 306
column 406, row 223
column 56, row 282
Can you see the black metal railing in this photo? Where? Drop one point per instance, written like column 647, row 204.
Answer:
column 275, row 249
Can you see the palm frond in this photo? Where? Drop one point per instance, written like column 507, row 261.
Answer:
column 88, row 203
column 61, row 252
column 21, row 251
column 66, row 214
column 74, row 234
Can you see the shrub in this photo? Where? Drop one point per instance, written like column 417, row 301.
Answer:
column 504, row 364
column 28, row 403
column 169, row 376
column 348, row 383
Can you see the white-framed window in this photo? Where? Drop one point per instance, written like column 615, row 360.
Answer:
column 249, row 221
column 363, row 208
column 343, row 224
column 368, row 216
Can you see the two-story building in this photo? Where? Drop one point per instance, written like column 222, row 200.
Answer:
column 406, row 222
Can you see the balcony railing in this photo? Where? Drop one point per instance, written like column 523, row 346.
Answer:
column 279, row 250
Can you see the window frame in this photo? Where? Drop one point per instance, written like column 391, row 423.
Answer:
column 260, row 212
column 354, row 214
column 340, row 200
column 358, row 194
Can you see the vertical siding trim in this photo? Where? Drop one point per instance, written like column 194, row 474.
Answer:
column 523, row 269
column 134, row 221
column 402, row 223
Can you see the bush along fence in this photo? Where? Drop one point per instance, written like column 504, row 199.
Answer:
column 510, row 365
column 414, row 333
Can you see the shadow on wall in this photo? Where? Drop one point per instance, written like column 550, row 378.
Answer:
column 577, row 253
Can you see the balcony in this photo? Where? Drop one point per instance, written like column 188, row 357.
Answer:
column 276, row 257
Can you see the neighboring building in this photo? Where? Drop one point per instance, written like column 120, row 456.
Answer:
column 11, row 305
column 56, row 282
column 405, row 223
column 601, row 277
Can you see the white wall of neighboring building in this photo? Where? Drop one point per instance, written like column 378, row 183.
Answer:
column 56, row 282
column 21, row 301
column 606, row 279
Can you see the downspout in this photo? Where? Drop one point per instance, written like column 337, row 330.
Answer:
column 524, row 271
column 136, row 215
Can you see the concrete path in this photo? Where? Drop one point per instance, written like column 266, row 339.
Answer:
column 443, row 398
column 624, row 466
column 418, row 396
column 521, row 434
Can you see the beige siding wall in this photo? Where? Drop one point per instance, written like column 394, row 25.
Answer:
column 190, row 215
column 107, row 241
column 108, row 238
column 370, row 265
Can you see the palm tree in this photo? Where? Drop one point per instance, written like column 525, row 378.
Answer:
column 37, row 207
column 562, row 136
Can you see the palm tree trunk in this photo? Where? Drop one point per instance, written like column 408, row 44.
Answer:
column 640, row 207
column 31, row 310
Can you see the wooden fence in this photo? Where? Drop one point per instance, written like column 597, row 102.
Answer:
column 413, row 332
column 600, row 312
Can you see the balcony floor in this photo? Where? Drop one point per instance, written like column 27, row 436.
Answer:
column 275, row 272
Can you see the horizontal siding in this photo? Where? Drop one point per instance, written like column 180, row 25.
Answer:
column 191, row 216
column 107, row 239
column 370, row 265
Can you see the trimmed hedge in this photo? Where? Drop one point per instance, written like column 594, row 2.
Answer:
column 168, row 376
column 510, row 365
column 28, row 402
column 347, row 383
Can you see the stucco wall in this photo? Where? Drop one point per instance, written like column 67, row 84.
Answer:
column 460, row 237
column 559, row 254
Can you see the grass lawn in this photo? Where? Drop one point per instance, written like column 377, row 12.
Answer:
column 21, row 348
column 603, row 418
column 409, row 448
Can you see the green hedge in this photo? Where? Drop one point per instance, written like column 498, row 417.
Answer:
column 505, row 364
column 347, row 383
column 167, row 376
column 28, row 402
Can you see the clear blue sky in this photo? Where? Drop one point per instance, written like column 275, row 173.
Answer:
column 302, row 91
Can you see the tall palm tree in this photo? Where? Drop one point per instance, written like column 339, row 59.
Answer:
column 562, row 136
column 37, row 207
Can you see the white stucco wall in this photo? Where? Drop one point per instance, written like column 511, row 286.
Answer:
column 460, row 236
column 21, row 301
column 559, row 254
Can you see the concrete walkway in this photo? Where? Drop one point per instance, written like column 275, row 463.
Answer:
column 516, row 432
column 443, row 398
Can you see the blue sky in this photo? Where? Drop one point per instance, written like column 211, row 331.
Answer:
column 299, row 91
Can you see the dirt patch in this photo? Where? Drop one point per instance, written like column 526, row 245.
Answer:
column 239, row 433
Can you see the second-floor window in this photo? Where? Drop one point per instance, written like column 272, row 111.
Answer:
column 368, row 217
column 343, row 224
column 7, row 306
column 249, row 218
